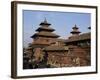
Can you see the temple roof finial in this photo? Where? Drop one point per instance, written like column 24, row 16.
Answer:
column 45, row 20
column 75, row 27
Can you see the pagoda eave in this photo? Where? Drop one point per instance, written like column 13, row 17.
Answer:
column 75, row 28
column 75, row 32
column 39, row 45
column 56, row 36
column 40, row 29
column 45, row 24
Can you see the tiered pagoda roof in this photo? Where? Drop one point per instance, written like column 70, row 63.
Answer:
column 75, row 30
column 45, row 34
column 45, row 30
column 81, row 37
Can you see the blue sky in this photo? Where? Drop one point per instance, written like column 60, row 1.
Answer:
column 62, row 22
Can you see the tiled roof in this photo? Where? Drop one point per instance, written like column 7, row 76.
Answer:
column 61, row 40
column 39, row 45
column 45, row 28
column 46, row 34
column 75, row 31
column 84, row 36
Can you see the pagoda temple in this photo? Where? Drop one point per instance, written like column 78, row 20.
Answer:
column 44, row 35
column 80, row 47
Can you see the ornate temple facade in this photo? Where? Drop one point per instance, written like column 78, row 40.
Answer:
column 47, row 50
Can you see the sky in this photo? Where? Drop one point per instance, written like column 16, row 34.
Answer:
column 62, row 22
